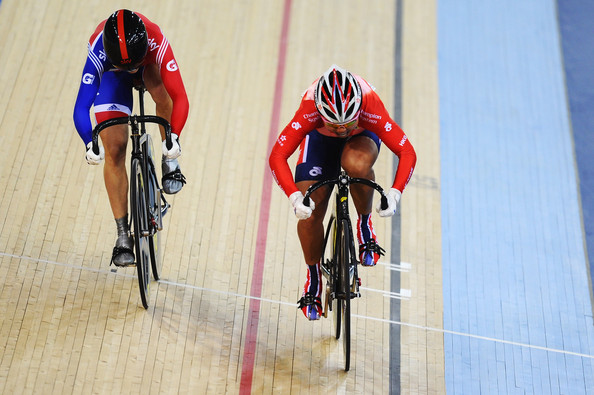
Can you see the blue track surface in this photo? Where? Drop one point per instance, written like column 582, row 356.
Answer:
column 577, row 38
column 516, row 290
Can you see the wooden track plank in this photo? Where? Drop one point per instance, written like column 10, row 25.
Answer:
column 77, row 323
column 422, row 350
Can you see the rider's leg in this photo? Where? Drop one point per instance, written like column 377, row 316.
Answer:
column 358, row 157
column 318, row 160
column 311, row 236
column 114, row 99
column 114, row 141
column 311, row 230
column 173, row 180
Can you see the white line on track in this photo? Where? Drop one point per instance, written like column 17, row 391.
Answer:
column 391, row 322
column 399, row 267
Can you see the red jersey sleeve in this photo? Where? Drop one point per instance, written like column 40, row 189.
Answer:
column 160, row 53
column 375, row 118
column 304, row 121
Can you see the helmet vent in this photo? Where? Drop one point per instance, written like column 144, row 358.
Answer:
column 338, row 96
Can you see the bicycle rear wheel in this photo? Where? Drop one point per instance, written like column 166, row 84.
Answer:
column 344, row 286
column 154, row 212
column 139, row 206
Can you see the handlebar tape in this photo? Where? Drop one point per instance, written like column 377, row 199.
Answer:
column 384, row 202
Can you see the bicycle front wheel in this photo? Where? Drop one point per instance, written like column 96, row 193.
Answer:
column 344, row 286
column 138, row 204
column 154, row 212
column 335, row 286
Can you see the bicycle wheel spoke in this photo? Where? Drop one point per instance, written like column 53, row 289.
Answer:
column 139, row 219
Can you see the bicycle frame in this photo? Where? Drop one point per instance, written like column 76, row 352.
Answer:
column 145, row 193
column 342, row 280
column 343, row 181
column 138, row 136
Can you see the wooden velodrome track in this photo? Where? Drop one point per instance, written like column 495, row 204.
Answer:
column 224, row 318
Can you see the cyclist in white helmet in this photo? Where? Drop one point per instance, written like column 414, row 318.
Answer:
column 340, row 119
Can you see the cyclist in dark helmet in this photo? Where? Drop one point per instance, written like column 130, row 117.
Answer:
column 128, row 49
column 125, row 40
column 340, row 118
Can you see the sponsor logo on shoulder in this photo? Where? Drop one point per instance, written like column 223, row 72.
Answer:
column 172, row 66
column 312, row 117
column 369, row 117
column 296, row 125
column 88, row 78
column 152, row 44
column 281, row 140
column 388, row 126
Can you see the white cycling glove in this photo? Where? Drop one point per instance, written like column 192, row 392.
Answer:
column 301, row 210
column 175, row 150
column 393, row 197
column 91, row 157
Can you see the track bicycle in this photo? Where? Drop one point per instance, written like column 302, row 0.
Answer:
column 147, row 200
column 339, row 264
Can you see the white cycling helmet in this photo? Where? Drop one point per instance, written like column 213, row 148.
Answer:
column 338, row 96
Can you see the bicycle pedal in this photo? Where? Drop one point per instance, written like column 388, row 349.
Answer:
column 355, row 294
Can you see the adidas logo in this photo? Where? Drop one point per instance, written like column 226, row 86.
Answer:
column 113, row 107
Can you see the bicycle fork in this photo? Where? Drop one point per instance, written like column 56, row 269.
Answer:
column 342, row 199
column 332, row 278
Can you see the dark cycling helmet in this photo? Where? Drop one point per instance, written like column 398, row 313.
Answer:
column 125, row 39
column 338, row 96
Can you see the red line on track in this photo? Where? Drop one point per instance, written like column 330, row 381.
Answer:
column 251, row 336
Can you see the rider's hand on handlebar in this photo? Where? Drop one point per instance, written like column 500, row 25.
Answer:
column 92, row 157
column 175, row 150
column 393, row 197
column 301, row 211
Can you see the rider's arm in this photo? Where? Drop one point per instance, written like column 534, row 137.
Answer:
column 376, row 119
column 87, row 92
column 304, row 121
column 175, row 87
column 285, row 145
column 160, row 52
column 400, row 145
